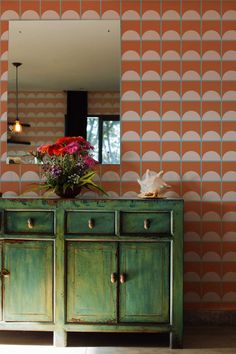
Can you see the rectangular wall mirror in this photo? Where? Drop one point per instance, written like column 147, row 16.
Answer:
column 68, row 84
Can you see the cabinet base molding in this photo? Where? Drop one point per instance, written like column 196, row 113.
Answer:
column 31, row 327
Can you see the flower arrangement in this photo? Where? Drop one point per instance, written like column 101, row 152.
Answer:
column 67, row 166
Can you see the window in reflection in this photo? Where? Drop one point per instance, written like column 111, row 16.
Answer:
column 104, row 134
column 92, row 134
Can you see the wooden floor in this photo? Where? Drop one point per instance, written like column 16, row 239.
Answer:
column 206, row 340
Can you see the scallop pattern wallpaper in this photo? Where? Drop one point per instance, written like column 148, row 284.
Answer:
column 178, row 113
column 44, row 112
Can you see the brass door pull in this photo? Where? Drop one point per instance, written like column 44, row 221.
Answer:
column 113, row 277
column 146, row 224
column 30, row 223
column 122, row 278
column 91, row 224
column 5, row 273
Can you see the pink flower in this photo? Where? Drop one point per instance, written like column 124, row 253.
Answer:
column 89, row 161
column 88, row 146
column 71, row 148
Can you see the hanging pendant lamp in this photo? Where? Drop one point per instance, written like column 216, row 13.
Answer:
column 17, row 127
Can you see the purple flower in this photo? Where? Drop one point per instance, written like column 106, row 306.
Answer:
column 56, row 171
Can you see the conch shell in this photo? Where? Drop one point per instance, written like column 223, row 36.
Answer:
column 152, row 186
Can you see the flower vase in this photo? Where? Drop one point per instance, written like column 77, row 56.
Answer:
column 68, row 193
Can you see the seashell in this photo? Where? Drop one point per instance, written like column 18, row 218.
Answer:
column 152, row 186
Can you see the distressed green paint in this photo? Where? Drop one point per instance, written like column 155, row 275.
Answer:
column 101, row 223
column 0, row 281
column 176, row 337
column 162, row 240
column 156, row 223
column 145, row 295
column 28, row 288
column 17, row 222
column 90, row 293
column 60, row 335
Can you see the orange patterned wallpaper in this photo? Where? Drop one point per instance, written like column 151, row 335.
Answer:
column 178, row 113
column 44, row 111
column 103, row 103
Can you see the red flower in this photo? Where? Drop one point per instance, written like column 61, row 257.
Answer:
column 66, row 145
column 55, row 149
column 43, row 149
column 70, row 139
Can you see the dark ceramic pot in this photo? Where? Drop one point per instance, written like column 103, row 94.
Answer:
column 69, row 193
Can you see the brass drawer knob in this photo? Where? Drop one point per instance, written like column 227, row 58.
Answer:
column 91, row 224
column 113, row 277
column 122, row 278
column 146, row 224
column 30, row 223
column 5, row 273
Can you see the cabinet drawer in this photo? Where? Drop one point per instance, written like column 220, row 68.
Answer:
column 29, row 222
column 146, row 223
column 89, row 222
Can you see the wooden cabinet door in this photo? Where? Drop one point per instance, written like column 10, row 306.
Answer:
column 145, row 293
column 28, row 288
column 91, row 296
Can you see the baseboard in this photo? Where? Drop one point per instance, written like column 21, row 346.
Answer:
column 210, row 317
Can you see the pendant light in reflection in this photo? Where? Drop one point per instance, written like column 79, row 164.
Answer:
column 17, row 127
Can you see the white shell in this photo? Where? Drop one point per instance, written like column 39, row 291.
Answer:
column 152, row 186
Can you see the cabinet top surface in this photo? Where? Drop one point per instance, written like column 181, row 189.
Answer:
column 90, row 199
column 92, row 204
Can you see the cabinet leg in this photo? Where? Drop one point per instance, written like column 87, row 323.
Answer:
column 60, row 338
column 176, row 341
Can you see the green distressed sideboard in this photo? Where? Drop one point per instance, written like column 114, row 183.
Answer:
column 103, row 265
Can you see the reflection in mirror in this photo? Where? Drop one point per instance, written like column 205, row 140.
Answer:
column 64, row 59
column 104, row 134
